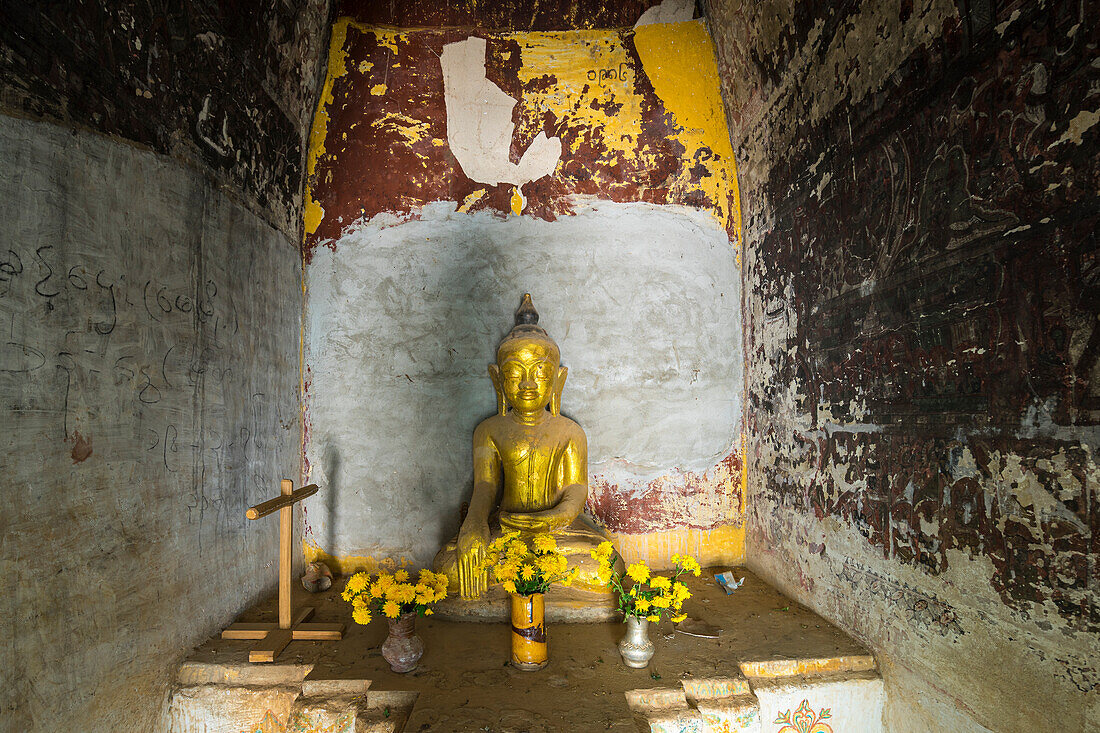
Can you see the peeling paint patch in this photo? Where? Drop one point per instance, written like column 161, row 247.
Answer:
column 694, row 499
column 632, row 122
column 479, row 122
column 82, row 447
column 1077, row 127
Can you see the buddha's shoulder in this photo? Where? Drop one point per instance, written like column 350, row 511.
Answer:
column 566, row 426
column 556, row 423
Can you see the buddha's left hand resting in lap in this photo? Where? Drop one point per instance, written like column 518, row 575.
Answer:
column 537, row 457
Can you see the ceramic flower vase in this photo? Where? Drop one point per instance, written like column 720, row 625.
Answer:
column 402, row 648
column 636, row 648
column 528, row 632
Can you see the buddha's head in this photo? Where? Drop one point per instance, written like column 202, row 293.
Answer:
column 528, row 375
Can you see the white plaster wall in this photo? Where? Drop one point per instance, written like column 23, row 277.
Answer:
column 146, row 312
column 404, row 317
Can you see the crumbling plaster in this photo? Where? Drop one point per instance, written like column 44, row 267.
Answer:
column 919, row 194
column 149, row 387
column 150, row 285
column 223, row 86
column 626, row 232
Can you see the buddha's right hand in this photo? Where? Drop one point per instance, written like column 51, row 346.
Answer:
column 472, row 541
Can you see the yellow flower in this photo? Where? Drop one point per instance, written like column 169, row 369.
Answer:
column 680, row 592
column 660, row 582
column 385, row 580
column 401, row 576
column 641, row 605
column 422, row 588
column 376, row 590
column 568, row 579
column 506, row 571
column 392, row 609
column 361, row 615
column 359, row 602
column 604, row 550
column 501, row 542
column 638, row 572
column 633, row 592
column 691, row 565
column 678, row 619
column 662, row 601
column 654, row 619
column 677, row 559
column 526, row 572
column 490, row 559
column 509, row 586
column 548, row 564
column 545, row 543
column 428, row 612
column 358, row 582
column 517, row 548
column 603, row 575
column 405, row 593
column 424, row 599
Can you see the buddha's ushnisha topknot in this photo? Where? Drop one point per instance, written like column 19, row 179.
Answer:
column 527, row 321
column 526, row 313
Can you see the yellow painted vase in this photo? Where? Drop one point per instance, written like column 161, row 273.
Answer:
column 528, row 632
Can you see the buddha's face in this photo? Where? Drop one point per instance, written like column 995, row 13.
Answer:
column 528, row 368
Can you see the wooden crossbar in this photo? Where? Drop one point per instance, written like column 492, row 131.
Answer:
column 275, row 636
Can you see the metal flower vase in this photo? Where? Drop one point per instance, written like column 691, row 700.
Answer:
column 636, row 648
column 528, row 632
column 403, row 648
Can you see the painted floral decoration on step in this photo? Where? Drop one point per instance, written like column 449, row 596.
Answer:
column 651, row 596
column 524, row 568
column 804, row 720
column 393, row 594
column 301, row 723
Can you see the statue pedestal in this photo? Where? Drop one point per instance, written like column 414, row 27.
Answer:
column 563, row 605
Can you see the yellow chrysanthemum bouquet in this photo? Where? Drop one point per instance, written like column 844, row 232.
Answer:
column 650, row 597
column 393, row 594
column 527, row 568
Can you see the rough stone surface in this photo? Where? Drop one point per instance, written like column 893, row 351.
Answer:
column 919, row 186
column 149, row 389
column 405, row 317
column 518, row 15
column 228, row 86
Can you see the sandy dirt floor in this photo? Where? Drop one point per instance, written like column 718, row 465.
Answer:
column 466, row 684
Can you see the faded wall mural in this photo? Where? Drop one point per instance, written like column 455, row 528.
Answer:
column 450, row 172
column 922, row 341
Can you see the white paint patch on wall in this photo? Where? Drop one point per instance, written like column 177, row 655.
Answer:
column 404, row 318
column 479, row 122
column 668, row 11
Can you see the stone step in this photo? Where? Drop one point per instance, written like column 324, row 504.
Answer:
column 271, row 699
column 842, row 701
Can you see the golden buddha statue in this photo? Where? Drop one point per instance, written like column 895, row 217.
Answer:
column 538, row 457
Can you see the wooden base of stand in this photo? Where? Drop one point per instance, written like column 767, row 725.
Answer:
column 275, row 638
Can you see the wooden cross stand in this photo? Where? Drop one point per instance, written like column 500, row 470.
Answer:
column 275, row 637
